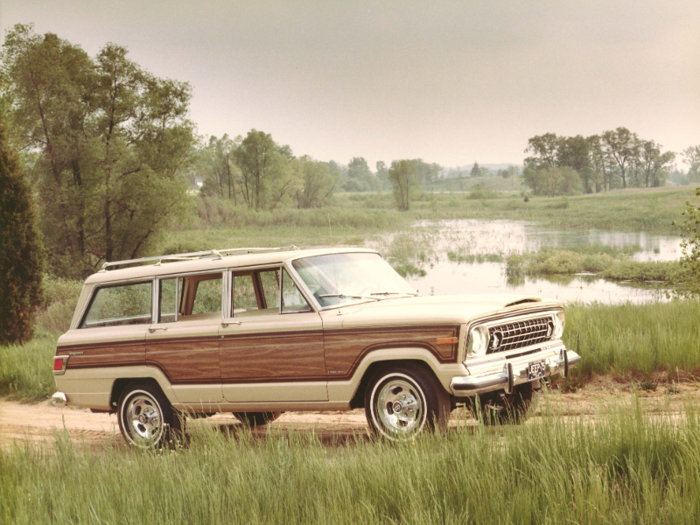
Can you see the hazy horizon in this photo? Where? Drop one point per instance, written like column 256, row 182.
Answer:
column 448, row 82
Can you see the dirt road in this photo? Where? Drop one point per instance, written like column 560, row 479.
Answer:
column 39, row 422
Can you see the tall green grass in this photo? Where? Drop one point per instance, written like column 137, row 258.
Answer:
column 26, row 370
column 628, row 467
column 635, row 339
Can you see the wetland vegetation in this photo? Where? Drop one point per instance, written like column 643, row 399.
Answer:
column 631, row 466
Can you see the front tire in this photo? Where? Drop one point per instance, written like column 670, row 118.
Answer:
column 145, row 416
column 402, row 401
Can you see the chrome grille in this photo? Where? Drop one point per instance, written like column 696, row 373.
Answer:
column 519, row 334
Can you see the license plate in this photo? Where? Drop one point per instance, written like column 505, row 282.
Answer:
column 536, row 369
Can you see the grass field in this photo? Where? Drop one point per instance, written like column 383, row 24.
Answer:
column 650, row 210
column 629, row 467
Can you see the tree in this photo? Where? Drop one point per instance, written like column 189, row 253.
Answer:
column 476, row 170
column 574, row 152
column 382, row 175
column 602, row 171
column 622, row 146
column 687, row 278
column 21, row 254
column 265, row 173
column 359, row 177
column 544, row 149
column 654, row 166
column 553, row 181
column 317, row 183
column 216, row 165
column 403, row 176
column 106, row 145
column 691, row 156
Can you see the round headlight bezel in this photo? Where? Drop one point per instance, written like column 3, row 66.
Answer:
column 559, row 322
column 477, row 342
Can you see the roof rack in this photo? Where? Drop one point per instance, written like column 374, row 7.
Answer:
column 178, row 257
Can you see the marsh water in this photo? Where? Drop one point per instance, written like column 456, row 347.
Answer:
column 468, row 256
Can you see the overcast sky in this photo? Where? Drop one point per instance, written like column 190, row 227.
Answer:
column 447, row 81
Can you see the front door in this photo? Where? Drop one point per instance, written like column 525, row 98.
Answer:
column 271, row 349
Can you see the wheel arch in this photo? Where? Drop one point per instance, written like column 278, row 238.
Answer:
column 358, row 397
column 121, row 383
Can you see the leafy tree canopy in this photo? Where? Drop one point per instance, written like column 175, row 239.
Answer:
column 105, row 142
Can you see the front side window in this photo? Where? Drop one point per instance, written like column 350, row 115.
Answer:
column 269, row 280
column 120, row 305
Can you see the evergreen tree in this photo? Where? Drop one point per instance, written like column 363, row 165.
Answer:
column 476, row 171
column 21, row 254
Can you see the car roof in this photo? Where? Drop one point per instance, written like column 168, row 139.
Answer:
column 171, row 265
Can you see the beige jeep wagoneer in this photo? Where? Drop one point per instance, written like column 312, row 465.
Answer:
column 260, row 331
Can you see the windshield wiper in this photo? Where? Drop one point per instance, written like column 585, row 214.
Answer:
column 348, row 296
column 395, row 293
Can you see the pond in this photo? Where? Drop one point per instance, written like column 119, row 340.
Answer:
column 468, row 256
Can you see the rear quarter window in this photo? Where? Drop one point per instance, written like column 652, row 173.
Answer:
column 119, row 305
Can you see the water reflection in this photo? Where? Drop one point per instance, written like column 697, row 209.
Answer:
column 468, row 256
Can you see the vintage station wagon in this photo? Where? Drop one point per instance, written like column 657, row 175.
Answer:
column 257, row 332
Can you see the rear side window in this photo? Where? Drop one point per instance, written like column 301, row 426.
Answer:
column 120, row 305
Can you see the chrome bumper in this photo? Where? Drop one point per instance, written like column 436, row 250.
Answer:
column 511, row 375
column 59, row 399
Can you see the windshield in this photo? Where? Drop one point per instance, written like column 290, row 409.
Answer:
column 347, row 277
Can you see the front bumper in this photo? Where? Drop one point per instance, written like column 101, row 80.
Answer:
column 512, row 374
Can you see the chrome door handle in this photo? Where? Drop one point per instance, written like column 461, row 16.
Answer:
column 226, row 325
column 151, row 330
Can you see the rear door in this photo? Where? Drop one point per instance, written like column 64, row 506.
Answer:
column 183, row 342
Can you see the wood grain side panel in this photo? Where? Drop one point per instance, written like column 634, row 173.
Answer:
column 346, row 348
column 186, row 360
column 291, row 356
column 102, row 355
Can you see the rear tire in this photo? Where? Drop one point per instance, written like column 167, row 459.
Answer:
column 255, row 419
column 403, row 400
column 146, row 417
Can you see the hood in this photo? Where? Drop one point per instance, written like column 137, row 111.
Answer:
column 445, row 309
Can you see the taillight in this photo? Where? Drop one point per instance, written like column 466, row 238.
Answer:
column 59, row 364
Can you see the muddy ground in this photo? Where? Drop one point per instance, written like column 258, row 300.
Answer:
column 39, row 422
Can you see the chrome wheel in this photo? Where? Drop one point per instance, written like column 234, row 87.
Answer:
column 143, row 418
column 399, row 404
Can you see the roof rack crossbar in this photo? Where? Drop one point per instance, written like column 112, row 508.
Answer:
column 191, row 256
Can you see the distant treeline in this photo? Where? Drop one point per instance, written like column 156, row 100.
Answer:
column 560, row 165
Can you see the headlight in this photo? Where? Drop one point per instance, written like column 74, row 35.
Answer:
column 559, row 322
column 478, row 341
